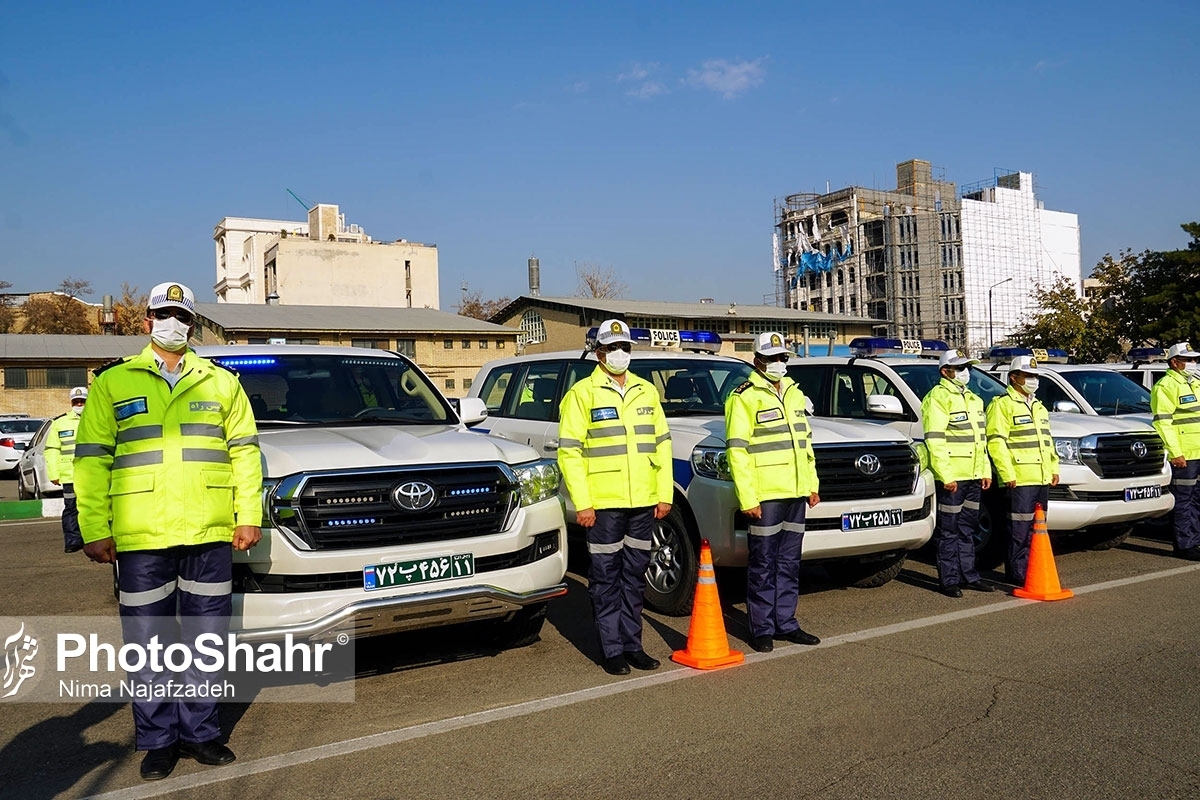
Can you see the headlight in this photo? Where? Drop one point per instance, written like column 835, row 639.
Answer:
column 1068, row 451
column 711, row 462
column 268, row 488
column 920, row 462
column 538, row 481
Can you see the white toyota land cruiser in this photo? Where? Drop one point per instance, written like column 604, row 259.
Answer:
column 876, row 503
column 1113, row 472
column 381, row 512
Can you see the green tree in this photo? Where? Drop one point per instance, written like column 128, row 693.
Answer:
column 1061, row 319
column 1162, row 301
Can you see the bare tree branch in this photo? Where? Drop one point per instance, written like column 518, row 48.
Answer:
column 596, row 281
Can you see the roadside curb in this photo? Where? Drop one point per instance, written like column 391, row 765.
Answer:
column 31, row 509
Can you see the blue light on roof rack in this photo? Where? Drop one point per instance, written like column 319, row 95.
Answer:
column 1051, row 355
column 877, row 346
column 246, row 362
column 668, row 338
column 1146, row 354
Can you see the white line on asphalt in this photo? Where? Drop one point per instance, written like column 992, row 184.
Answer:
column 243, row 769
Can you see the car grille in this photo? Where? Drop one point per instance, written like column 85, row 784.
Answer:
column 357, row 509
column 842, row 480
column 1113, row 456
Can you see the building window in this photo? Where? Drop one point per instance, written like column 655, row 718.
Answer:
column 44, row 377
column 373, row 344
column 533, row 330
column 467, row 383
column 499, row 344
column 407, row 347
column 448, row 344
column 466, row 344
column 743, row 347
column 483, row 344
column 449, row 383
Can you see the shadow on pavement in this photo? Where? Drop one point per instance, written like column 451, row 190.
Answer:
column 52, row 756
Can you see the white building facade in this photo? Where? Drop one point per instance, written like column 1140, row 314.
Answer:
column 323, row 262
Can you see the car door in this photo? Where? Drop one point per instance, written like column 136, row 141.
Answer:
column 528, row 412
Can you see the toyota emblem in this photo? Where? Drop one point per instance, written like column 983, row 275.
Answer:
column 414, row 496
column 1139, row 449
column 868, row 464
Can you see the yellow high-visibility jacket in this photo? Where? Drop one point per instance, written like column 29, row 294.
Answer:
column 156, row 467
column 59, row 451
column 614, row 451
column 1019, row 440
column 1176, row 408
column 769, row 442
column 955, row 433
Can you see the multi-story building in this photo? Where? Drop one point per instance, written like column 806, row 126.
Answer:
column 322, row 261
column 930, row 260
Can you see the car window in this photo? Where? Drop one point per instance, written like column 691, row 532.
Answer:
column 20, row 425
column 692, row 386
column 1050, row 393
column 535, row 396
column 852, row 384
column 923, row 377
column 577, row 371
column 1109, row 392
column 811, row 380
column 494, row 387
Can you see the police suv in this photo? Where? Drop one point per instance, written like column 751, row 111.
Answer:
column 380, row 511
column 876, row 502
column 1112, row 470
column 1077, row 388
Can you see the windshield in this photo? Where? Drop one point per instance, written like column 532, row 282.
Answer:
column 20, row 425
column 292, row 389
column 1109, row 392
column 923, row 377
column 692, row 386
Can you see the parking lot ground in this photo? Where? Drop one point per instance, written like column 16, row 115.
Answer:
column 911, row 694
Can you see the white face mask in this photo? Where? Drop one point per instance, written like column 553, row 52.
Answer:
column 963, row 376
column 170, row 334
column 77, row 410
column 1192, row 368
column 617, row 361
column 1031, row 386
column 776, row 370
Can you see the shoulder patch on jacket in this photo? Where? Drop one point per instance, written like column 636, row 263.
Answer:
column 109, row 365
column 746, row 385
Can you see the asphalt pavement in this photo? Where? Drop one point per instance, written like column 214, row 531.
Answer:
column 911, row 694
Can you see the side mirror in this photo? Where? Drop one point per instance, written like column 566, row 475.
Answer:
column 1068, row 406
column 471, row 410
column 885, row 405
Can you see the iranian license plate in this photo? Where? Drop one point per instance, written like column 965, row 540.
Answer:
column 1142, row 493
column 857, row 520
column 422, row 570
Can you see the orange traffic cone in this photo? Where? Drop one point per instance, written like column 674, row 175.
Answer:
column 707, row 644
column 1041, row 577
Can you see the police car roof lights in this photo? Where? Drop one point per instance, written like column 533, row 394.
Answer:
column 705, row 341
column 1051, row 355
column 246, row 362
column 1140, row 355
column 874, row 347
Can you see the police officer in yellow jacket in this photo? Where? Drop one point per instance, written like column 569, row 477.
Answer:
column 1175, row 403
column 614, row 450
column 1022, row 450
column 956, row 441
column 169, row 475
column 769, row 447
column 59, row 453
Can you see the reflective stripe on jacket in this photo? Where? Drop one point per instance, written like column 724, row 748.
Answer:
column 1019, row 440
column 1176, row 409
column 614, row 451
column 955, row 433
column 769, row 442
column 59, row 451
column 156, row 467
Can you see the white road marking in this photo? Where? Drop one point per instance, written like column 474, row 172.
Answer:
column 242, row 769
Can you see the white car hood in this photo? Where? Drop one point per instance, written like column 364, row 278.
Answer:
column 290, row 450
column 710, row 431
column 1074, row 426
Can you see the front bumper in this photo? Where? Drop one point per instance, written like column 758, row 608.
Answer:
column 1084, row 500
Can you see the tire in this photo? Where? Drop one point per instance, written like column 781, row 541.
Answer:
column 868, row 574
column 991, row 538
column 1106, row 537
column 522, row 629
column 22, row 492
column 671, row 575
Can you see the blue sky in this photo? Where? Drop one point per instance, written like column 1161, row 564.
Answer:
column 647, row 138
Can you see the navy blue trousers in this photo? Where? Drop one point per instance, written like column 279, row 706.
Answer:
column 773, row 567
column 619, row 546
column 1022, row 500
column 70, row 518
column 958, row 520
column 1187, row 505
column 196, row 582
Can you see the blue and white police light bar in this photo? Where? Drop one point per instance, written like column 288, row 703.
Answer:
column 706, row 341
column 246, row 362
column 1051, row 355
column 1143, row 354
column 871, row 346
